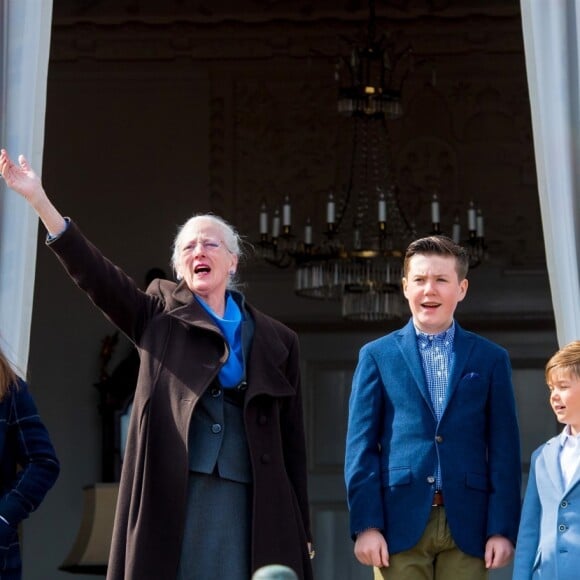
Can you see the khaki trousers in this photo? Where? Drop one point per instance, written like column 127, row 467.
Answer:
column 434, row 557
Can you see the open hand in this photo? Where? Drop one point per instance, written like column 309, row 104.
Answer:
column 21, row 178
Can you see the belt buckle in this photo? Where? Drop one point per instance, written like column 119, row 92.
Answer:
column 437, row 499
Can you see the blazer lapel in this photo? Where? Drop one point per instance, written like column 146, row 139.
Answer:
column 407, row 338
column 551, row 457
column 462, row 347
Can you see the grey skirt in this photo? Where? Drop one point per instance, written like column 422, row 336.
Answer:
column 217, row 535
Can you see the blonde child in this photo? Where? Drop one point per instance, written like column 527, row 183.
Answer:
column 548, row 544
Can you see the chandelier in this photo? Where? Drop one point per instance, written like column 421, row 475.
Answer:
column 359, row 257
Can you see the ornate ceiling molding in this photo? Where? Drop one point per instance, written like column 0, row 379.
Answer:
column 431, row 37
column 68, row 12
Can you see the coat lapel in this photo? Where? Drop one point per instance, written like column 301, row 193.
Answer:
column 268, row 359
column 268, row 354
column 185, row 307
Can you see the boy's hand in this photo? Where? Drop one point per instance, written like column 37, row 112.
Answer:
column 371, row 549
column 498, row 552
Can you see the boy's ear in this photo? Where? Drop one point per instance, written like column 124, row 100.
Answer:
column 463, row 285
column 404, row 286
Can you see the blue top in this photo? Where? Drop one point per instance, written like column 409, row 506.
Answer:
column 232, row 373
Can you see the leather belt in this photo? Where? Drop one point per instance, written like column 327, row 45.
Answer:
column 438, row 499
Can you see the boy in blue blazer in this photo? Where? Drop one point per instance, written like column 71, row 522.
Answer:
column 433, row 454
column 548, row 543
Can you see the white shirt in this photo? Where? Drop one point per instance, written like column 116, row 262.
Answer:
column 569, row 455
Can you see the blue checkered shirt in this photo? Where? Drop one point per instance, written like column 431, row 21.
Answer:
column 436, row 352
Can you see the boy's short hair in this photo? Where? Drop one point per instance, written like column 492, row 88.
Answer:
column 441, row 246
column 567, row 359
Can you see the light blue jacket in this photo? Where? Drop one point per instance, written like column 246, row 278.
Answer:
column 394, row 441
column 548, row 545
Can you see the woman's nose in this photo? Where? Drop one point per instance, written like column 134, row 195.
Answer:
column 198, row 249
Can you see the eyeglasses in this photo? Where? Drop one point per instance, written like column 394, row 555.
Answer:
column 208, row 245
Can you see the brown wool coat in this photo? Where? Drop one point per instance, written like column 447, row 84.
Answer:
column 181, row 353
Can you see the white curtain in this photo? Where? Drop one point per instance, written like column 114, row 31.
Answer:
column 552, row 49
column 24, row 49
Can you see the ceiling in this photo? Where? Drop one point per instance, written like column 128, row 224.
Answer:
column 270, row 64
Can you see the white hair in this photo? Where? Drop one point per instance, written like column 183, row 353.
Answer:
column 231, row 239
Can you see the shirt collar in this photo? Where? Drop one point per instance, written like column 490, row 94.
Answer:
column 566, row 437
column 445, row 336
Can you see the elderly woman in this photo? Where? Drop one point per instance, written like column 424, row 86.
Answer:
column 214, row 476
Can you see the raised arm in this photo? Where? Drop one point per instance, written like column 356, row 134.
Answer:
column 109, row 287
column 22, row 179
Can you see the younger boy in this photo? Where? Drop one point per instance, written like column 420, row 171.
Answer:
column 549, row 538
column 433, row 455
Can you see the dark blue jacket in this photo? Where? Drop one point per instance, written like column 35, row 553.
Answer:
column 394, row 441
column 28, row 469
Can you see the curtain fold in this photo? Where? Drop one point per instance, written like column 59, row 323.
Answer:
column 552, row 46
column 25, row 27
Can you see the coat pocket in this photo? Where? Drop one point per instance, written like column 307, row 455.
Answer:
column 395, row 476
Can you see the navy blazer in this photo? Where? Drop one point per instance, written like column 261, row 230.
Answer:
column 549, row 538
column 394, row 440
column 28, row 469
